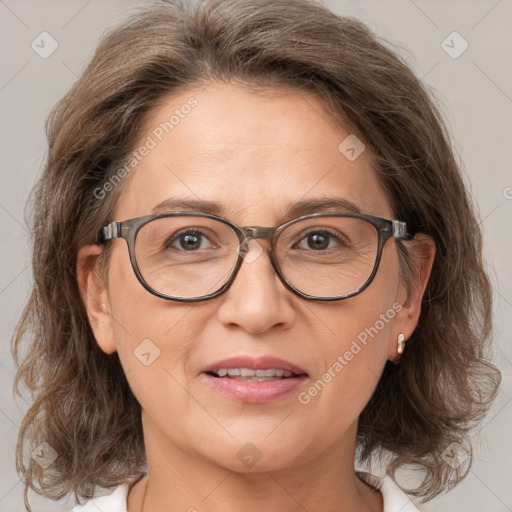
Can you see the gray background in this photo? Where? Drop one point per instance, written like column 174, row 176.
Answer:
column 475, row 90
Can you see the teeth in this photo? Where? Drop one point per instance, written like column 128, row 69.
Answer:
column 247, row 372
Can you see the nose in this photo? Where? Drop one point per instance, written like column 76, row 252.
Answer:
column 257, row 300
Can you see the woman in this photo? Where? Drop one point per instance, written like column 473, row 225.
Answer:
column 300, row 282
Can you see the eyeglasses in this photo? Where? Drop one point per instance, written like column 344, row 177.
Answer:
column 194, row 256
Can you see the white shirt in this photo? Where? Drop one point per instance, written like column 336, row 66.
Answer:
column 395, row 500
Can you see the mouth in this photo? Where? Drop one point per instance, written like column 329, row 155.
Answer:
column 248, row 374
column 255, row 380
column 250, row 368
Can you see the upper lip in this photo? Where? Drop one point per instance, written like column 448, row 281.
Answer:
column 255, row 363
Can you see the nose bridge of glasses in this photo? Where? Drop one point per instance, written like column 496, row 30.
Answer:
column 258, row 232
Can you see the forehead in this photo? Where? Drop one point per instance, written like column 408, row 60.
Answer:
column 253, row 154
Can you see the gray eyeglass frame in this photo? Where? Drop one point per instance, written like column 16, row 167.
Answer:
column 128, row 230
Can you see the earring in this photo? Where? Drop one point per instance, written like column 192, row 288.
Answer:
column 401, row 343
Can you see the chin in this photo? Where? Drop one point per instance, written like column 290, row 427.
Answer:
column 253, row 456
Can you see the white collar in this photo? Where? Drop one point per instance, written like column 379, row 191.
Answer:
column 113, row 502
column 395, row 500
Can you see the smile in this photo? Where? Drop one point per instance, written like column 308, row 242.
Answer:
column 250, row 374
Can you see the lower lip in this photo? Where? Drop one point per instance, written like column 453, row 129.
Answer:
column 255, row 392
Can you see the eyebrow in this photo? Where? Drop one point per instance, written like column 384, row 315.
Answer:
column 292, row 211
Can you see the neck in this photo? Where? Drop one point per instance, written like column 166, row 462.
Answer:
column 181, row 481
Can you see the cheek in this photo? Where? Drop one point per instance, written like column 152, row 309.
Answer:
column 152, row 335
column 355, row 353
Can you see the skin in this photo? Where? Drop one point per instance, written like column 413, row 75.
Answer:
column 255, row 155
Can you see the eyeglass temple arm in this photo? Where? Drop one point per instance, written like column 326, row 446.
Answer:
column 109, row 232
column 399, row 230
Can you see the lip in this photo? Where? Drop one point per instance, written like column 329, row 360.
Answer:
column 255, row 363
column 255, row 392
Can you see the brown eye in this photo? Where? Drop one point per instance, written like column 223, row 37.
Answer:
column 319, row 240
column 189, row 240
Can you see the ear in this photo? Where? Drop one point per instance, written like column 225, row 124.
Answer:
column 422, row 252
column 94, row 295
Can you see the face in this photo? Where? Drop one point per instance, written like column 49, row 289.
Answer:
column 255, row 156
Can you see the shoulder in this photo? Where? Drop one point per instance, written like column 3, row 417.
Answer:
column 395, row 500
column 113, row 502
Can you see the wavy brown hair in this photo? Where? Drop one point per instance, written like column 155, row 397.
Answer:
column 81, row 402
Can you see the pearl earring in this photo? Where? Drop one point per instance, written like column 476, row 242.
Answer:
column 401, row 343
